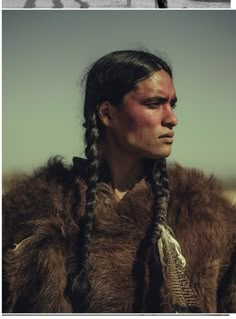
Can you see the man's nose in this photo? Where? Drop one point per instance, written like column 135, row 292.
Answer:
column 169, row 117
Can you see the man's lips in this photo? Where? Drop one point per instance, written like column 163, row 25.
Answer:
column 170, row 135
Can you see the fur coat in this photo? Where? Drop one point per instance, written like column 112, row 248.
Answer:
column 42, row 218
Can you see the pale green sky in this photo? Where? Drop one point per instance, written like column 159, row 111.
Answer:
column 45, row 53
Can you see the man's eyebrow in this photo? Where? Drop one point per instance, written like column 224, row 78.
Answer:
column 159, row 99
column 155, row 98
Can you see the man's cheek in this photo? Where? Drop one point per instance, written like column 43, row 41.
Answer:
column 141, row 119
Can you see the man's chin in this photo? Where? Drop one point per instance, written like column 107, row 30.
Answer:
column 159, row 155
column 163, row 153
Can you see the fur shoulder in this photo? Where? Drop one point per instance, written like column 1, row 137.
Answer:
column 191, row 180
column 42, row 195
column 200, row 198
column 196, row 189
column 199, row 209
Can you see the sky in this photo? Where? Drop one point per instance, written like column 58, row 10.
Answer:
column 46, row 53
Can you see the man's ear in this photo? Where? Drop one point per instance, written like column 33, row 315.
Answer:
column 105, row 112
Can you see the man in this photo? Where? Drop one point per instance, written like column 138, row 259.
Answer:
column 120, row 231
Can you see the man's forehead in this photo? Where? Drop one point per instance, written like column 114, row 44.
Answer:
column 155, row 89
column 159, row 79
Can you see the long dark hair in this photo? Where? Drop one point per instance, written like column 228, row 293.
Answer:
column 110, row 79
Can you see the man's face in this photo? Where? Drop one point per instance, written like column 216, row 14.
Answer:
column 143, row 126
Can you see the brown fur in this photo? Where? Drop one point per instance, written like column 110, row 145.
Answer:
column 44, row 213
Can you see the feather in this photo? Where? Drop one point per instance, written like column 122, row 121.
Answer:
column 174, row 270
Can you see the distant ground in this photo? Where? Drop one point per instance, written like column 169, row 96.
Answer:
column 112, row 4
column 231, row 194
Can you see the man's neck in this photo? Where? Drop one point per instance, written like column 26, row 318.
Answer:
column 125, row 171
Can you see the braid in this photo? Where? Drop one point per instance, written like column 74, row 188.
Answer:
column 91, row 152
column 160, row 189
column 81, row 284
column 167, row 248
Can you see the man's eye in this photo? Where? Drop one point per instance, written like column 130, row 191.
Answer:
column 153, row 105
column 174, row 105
